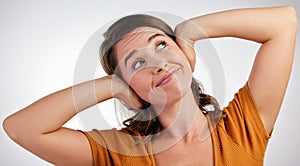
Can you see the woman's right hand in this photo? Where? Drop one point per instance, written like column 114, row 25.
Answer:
column 39, row 126
column 122, row 91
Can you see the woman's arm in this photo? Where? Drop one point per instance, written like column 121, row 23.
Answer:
column 275, row 28
column 38, row 127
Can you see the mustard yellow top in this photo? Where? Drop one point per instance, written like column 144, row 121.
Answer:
column 238, row 139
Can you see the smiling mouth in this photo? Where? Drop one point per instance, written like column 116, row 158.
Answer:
column 166, row 78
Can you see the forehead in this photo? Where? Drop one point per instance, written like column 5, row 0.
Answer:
column 137, row 39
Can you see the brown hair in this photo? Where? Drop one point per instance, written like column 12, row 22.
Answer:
column 146, row 122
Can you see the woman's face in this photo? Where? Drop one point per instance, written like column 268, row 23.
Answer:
column 153, row 65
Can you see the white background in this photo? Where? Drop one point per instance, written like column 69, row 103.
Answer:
column 40, row 42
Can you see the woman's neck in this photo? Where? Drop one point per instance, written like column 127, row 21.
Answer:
column 182, row 120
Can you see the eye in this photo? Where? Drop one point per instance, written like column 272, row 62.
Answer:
column 160, row 45
column 137, row 64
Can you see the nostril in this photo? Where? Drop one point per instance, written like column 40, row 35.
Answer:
column 159, row 70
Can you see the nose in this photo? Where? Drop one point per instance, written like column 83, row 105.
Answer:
column 160, row 68
column 158, row 62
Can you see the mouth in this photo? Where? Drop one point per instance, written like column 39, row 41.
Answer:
column 166, row 78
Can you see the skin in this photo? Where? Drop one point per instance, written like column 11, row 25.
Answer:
column 152, row 61
column 174, row 102
column 274, row 28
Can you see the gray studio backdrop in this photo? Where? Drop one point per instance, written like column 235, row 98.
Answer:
column 42, row 41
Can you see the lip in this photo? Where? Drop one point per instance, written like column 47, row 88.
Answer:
column 167, row 77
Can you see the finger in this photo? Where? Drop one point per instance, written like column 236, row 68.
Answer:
column 188, row 49
column 191, row 56
column 134, row 100
column 122, row 91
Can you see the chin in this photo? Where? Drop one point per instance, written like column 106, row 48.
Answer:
column 167, row 95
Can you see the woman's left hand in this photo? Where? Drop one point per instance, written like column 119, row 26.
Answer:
column 185, row 43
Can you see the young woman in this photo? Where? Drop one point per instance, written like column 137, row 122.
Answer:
column 149, row 69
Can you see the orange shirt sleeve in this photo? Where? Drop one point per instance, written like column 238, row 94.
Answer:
column 118, row 147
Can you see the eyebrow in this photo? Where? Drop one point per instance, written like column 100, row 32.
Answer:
column 129, row 56
column 152, row 37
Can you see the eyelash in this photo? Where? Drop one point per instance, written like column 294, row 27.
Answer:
column 136, row 62
column 159, row 43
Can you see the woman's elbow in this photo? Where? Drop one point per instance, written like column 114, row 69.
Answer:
column 291, row 17
column 11, row 129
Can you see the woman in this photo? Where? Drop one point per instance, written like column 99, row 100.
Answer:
column 158, row 67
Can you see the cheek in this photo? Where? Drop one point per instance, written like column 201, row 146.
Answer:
column 141, row 84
